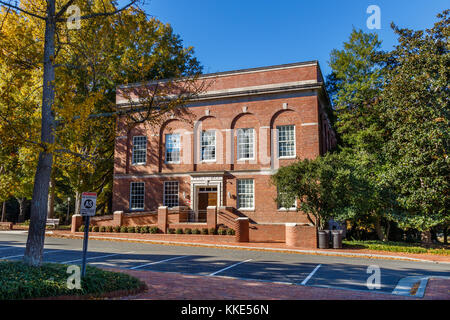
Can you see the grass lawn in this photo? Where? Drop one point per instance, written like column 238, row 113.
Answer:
column 20, row 281
column 395, row 247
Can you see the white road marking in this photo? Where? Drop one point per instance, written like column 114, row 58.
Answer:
column 229, row 267
column 156, row 262
column 21, row 255
column 99, row 257
column 310, row 275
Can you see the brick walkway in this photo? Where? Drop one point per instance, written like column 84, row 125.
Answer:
column 168, row 286
column 272, row 246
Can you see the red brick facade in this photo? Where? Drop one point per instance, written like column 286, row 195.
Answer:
column 261, row 99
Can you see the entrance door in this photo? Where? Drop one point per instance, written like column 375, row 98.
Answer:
column 207, row 196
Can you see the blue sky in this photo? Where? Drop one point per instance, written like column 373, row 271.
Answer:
column 233, row 34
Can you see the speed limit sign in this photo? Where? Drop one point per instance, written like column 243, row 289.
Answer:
column 88, row 204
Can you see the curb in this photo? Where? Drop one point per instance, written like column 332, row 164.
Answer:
column 405, row 285
column 226, row 246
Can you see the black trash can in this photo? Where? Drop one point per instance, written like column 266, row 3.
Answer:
column 324, row 239
column 337, row 239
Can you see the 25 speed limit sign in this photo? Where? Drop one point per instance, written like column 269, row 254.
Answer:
column 88, row 203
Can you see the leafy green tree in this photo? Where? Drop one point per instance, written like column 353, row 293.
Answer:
column 415, row 110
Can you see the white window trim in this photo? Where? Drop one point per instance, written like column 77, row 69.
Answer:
column 295, row 143
column 254, row 146
column 136, row 209
column 238, row 201
column 164, row 193
column 132, row 152
column 165, row 152
column 215, row 146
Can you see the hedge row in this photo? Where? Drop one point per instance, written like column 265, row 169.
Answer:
column 153, row 230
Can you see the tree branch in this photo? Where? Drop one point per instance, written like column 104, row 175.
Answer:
column 22, row 10
column 103, row 14
column 64, row 8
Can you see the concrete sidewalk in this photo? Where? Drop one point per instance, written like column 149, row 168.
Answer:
column 169, row 286
column 182, row 240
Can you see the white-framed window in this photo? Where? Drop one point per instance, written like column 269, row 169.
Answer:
column 286, row 141
column 139, row 154
column 170, row 194
column 173, row 147
column 137, row 195
column 208, row 145
column 246, row 194
column 282, row 203
column 246, row 144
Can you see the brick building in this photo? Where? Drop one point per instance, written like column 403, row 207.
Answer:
column 246, row 125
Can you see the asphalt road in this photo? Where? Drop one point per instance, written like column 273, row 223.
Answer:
column 299, row 269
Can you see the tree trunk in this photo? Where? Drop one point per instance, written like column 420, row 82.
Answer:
column 445, row 235
column 36, row 232
column 51, row 198
column 3, row 211
column 378, row 229
column 77, row 202
column 426, row 237
column 21, row 202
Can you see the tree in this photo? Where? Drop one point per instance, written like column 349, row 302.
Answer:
column 327, row 188
column 59, row 106
column 415, row 109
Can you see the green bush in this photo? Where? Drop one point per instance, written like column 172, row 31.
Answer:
column 137, row 229
column 179, row 231
column 116, row 229
column 172, row 231
column 154, row 230
column 123, row 229
column 188, row 231
column 231, row 232
column 81, row 228
column 20, row 281
column 222, row 231
column 196, row 231
column 102, row 229
column 109, row 229
column 204, row 231
column 131, row 229
column 90, row 228
column 392, row 246
column 145, row 229
column 95, row 229
column 212, row 231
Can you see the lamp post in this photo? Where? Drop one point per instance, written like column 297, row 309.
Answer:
column 68, row 209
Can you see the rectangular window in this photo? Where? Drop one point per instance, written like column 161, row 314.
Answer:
column 245, row 143
column 286, row 141
column 171, row 194
column 139, row 150
column 137, row 195
column 208, row 145
column 172, row 148
column 246, row 194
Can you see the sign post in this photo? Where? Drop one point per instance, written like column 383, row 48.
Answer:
column 88, row 207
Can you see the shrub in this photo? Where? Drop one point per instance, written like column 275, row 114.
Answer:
column 95, row 229
column 188, row 231
column 116, row 229
column 137, row 229
column 172, row 231
column 109, row 229
column 131, row 229
column 179, row 231
column 212, row 231
column 123, row 229
column 222, row 231
column 81, row 228
column 204, row 231
column 90, row 228
column 231, row 232
column 102, row 229
column 154, row 230
column 196, row 231
column 20, row 281
column 145, row 229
